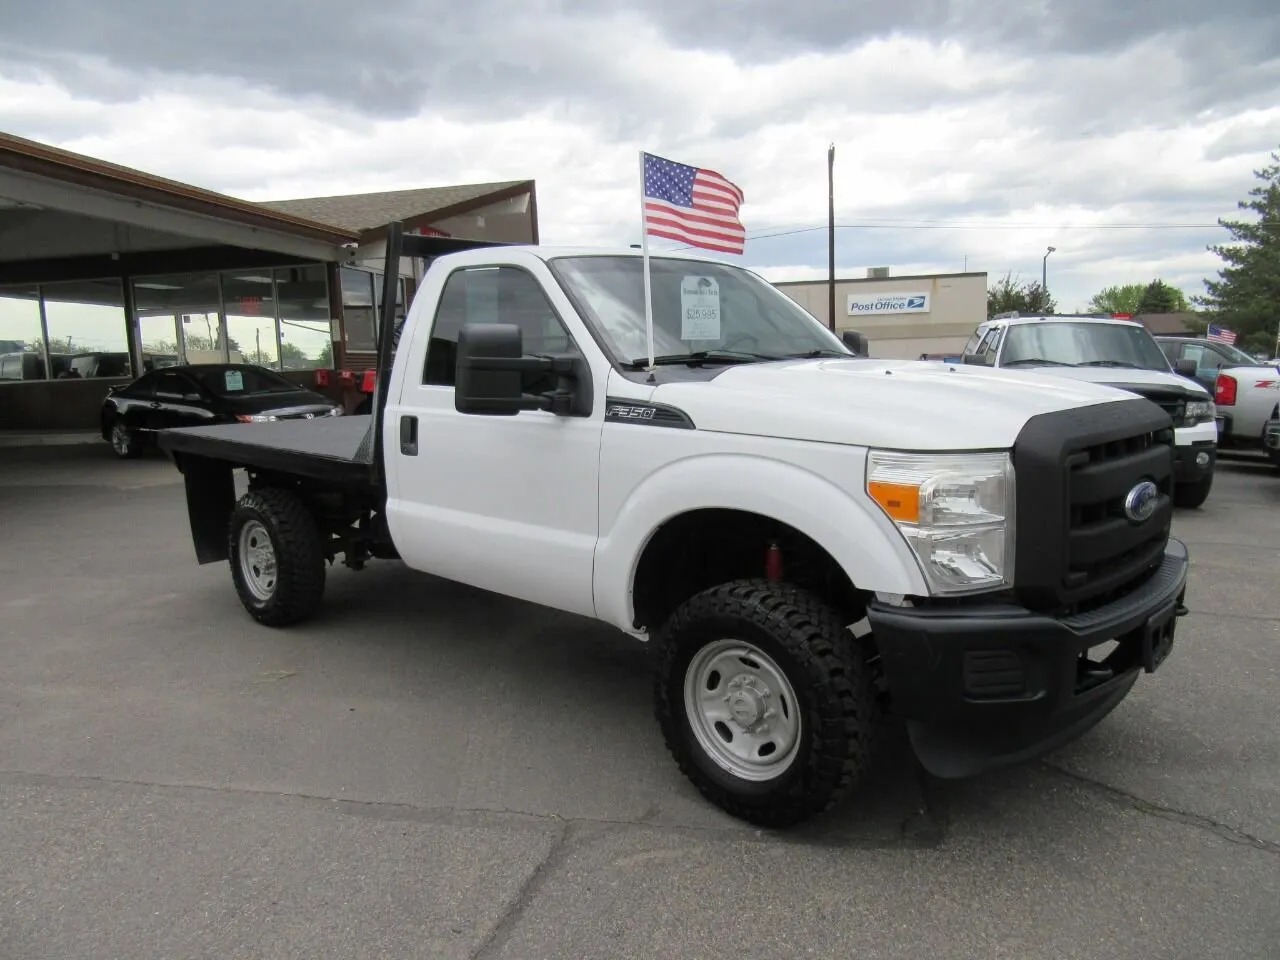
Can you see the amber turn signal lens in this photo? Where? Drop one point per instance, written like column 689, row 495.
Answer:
column 901, row 501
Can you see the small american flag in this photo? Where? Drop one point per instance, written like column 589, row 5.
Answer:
column 1221, row 335
column 693, row 205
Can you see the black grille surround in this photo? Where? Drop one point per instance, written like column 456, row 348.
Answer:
column 1170, row 398
column 1075, row 548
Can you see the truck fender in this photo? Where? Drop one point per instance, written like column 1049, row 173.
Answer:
column 865, row 544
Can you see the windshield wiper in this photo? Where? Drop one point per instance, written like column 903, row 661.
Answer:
column 701, row 356
column 1110, row 363
column 814, row 354
column 1052, row 363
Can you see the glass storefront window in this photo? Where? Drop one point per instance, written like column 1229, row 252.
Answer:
column 85, row 321
column 362, row 307
column 357, row 310
column 21, row 340
column 302, row 294
column 178, row 318
column 250, row 304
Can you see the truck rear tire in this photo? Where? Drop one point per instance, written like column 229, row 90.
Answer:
column 277, row 557
column 1192, row 495
column 765, row 701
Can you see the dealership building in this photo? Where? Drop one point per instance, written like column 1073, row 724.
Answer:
column 106, row 272
column 902, row 317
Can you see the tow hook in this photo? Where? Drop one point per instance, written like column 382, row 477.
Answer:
column 1180, row 610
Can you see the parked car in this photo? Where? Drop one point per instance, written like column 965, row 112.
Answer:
column 1244, row 389
column 1118, row 353
column 203, row 395
column 1271, row 436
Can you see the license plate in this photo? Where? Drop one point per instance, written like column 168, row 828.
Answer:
column 1157, row 637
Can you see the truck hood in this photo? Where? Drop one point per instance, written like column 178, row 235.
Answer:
column 906, row 404
column 1126, row 378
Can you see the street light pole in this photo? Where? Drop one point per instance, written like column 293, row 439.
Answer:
column 1044, row 271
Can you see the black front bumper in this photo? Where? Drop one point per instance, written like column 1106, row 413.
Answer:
column 990, row 684
column 1185, row 468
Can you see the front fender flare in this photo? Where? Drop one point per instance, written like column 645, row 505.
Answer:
column 862, row 541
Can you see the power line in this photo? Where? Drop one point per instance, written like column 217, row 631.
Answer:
column 956, row 225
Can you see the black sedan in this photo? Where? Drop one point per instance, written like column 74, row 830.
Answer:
column 201, row 395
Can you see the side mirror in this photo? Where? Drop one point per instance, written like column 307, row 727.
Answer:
column 974, row 360
column 490, row 368
column 856, row 342
column 1186, row 368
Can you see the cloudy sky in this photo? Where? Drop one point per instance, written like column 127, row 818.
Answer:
column 968, row 134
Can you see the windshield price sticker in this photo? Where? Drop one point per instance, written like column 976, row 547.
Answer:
column 699, row 309
column 234, row 380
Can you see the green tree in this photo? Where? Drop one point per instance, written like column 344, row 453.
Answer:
column 1159, row 297
column 1007, row 294
column 1246, row 295
column 1122, row 299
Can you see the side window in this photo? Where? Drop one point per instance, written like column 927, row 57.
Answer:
column 145, row 385
column 1206, row 360
column 987, row 348
column 493, row 295
column 172, row 386
column 1170, row 350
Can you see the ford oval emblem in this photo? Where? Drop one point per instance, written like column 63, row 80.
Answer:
column 1140, row 502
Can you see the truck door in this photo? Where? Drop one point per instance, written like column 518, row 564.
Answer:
column 505, row 503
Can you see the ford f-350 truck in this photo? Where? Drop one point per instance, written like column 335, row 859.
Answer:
column 813, row 541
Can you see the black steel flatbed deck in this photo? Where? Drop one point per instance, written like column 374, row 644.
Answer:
column 335, row 449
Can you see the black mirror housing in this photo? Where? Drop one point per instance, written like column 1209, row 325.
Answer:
column 856, row 342
column 482, row 386
column 489, row 375
column 973, row 360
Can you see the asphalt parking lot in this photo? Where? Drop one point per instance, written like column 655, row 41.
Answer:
column 430, row 771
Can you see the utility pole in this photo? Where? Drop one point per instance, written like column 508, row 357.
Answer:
column 1044, row 272
column 831, row 237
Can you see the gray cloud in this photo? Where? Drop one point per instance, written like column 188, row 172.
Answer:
column 492, row 58
column 765, row 28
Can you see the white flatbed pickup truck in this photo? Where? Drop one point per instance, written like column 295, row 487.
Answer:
column 813, row 541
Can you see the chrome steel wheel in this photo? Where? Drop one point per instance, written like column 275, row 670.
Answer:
column 257, row 560
column 742, row 710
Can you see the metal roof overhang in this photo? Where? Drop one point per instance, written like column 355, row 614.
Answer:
column 202, row 226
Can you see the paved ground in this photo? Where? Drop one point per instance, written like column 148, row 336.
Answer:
column 429, row 771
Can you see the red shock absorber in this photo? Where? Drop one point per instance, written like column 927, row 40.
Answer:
column 773, row 562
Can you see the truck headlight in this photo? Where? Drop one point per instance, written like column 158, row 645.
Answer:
column 1198, row 411
column 956, row 512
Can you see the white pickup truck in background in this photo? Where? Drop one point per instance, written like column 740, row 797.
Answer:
column 811, row 540
column 1119, row 353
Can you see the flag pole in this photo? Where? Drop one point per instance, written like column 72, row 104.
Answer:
column 644, row 252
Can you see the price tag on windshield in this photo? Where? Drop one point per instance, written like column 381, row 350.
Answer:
column 699, row 309
column 234, row 379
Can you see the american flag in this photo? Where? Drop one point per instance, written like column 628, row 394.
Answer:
column 693, row 205
column 1221, row 335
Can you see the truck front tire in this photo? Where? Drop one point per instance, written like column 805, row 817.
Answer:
column 765, row 701
column 1192, row 495
column 277, row 557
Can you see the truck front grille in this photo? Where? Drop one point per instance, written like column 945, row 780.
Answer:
column 1076, row 545
column 1105, row 548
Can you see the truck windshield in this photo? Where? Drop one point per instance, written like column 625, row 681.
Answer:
column 702, row 312
column 1063, row 343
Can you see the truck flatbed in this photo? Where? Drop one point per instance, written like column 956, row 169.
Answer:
column 337, row 449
